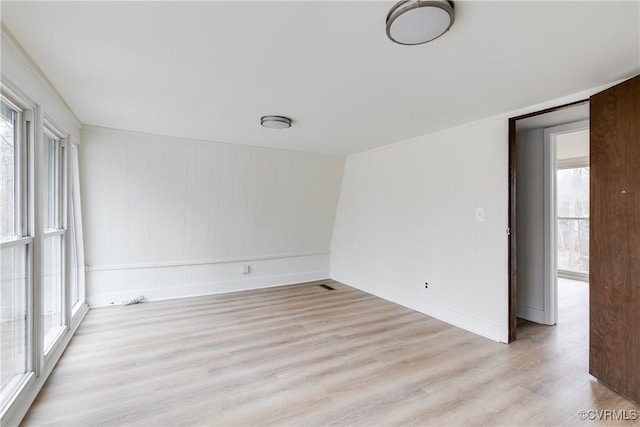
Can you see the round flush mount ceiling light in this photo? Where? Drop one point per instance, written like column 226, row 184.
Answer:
column 275, row 122
column 414, row 22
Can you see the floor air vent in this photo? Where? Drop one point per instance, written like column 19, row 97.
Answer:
column 327, row 287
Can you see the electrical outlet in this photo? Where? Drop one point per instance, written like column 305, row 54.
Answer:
column 426, row 285
column 246, row 269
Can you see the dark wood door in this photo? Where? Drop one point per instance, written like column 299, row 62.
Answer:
column 614, row 347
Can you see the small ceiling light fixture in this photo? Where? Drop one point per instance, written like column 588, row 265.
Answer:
column 414, row 22
column 275, row 122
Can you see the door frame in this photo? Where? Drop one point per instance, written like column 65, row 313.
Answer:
column 512, row 283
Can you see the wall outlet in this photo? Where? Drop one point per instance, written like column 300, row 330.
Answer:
column 426, row 285
column 479, row 214
column 246, row 269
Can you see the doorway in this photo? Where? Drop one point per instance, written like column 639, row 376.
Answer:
column 533, row 140
column 614, row 235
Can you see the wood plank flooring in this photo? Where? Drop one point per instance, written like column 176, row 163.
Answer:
column 304, row 355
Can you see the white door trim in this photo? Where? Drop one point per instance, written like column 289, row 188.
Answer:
column 550, row 213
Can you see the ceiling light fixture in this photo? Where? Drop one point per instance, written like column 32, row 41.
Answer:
column 275, row 122
column 414, row 22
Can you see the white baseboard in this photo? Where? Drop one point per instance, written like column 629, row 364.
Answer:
column 531, row 314
column 211, row 288
column 486, row 329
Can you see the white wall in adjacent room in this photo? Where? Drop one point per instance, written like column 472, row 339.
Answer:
column 407, row 215
column 170, row 217
column 572, row 145
column 530, row 224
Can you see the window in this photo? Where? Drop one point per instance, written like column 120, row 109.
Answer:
column 42, row 297
column 573, row 219
column 54, row 237
column 15, row 252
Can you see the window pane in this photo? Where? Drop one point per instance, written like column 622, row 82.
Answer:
column 74, row 279
column 573, row 245
column 7, row 172
column 50, row 173
column 73, row 271
column 52, row 289
column 573, row 192
column 13, row 319
column 74, row 230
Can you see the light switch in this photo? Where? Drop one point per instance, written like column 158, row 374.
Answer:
column 479, row 214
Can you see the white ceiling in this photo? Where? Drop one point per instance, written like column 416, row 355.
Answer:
column 209, row 70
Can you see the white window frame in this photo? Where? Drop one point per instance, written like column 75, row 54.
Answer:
column 60, row 224
column 25, row 229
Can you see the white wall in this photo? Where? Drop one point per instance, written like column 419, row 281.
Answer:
column 22, row 74
column 407, row 215
column 573, row 145
column 170, row 217
column 530, row 224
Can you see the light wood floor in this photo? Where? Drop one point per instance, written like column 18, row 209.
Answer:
column 303, row 355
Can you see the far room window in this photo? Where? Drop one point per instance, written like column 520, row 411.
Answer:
column 573, row 218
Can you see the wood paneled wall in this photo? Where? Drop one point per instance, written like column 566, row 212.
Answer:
column 154, row 203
